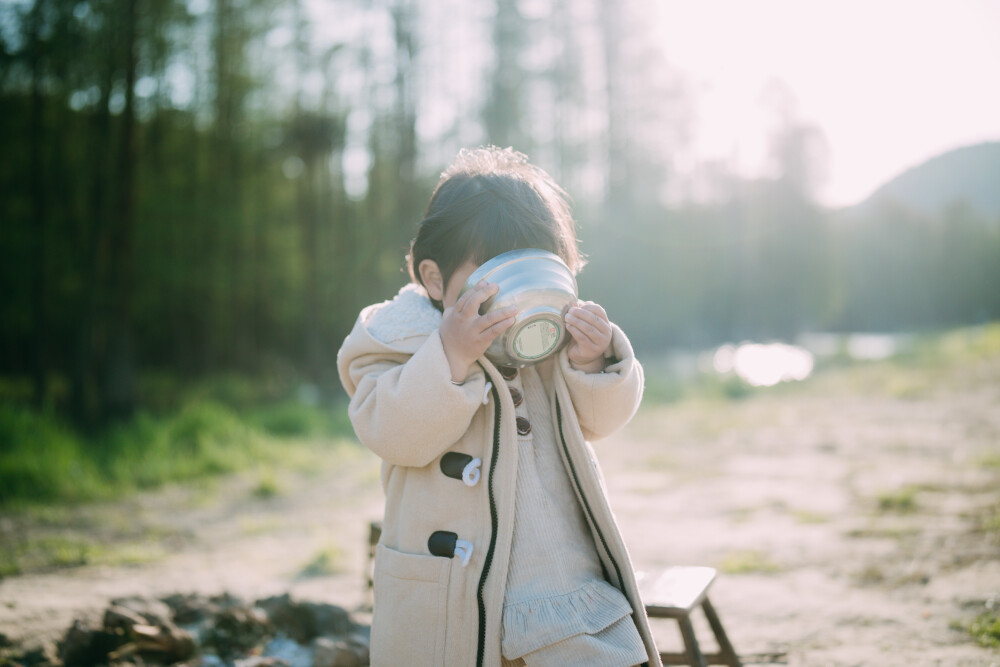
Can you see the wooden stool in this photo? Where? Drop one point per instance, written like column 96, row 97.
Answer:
column 374, row 535
column 674, row 593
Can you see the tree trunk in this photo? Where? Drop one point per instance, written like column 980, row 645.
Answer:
column 39, row 212
column 503, row 110
column 119, row 377
column 617, row 167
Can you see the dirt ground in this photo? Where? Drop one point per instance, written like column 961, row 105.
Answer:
column 855, row 520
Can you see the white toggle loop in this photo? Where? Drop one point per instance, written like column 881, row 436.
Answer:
column 463, row 549
column 486, row 394
column 470, row 474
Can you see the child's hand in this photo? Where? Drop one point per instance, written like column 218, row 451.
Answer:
column 590, row 328
column 465, row 334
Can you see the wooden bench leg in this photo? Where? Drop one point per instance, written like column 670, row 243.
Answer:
column 374, row 535
column 691, row 648
column 726, row 651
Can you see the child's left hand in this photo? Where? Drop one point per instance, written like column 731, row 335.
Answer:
column 588, row 324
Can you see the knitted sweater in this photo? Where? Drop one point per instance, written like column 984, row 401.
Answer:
column 558, row 609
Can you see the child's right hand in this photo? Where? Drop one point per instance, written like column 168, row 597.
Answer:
column 465, row 334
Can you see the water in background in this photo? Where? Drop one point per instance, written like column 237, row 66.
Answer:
column 767, row 364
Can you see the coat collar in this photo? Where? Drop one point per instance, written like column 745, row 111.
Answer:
column 404, row 322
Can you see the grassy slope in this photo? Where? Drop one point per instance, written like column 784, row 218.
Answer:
column 44, row 461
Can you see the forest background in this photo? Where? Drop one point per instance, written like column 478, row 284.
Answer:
column 206, row 192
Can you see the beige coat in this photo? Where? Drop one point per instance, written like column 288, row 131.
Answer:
column 430, row 610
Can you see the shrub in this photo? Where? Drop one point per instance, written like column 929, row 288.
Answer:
column 41, row 459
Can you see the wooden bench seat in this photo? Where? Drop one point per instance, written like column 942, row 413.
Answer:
column 676, row 592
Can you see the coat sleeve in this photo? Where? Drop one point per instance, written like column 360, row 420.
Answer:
column 605, row 402
column 407, row 410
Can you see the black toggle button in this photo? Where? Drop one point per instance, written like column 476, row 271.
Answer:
column 507, row 372
column 523, row 426
column 516, row 395
column 453, row 464
column 442, row 543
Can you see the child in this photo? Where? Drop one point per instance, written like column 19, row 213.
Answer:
column 498, row 544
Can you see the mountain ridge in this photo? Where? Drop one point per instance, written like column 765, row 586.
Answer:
column 968, row 174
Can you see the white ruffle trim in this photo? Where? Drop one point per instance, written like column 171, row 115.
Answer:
column 529, row 626
column 618, row 645
column 410, row 313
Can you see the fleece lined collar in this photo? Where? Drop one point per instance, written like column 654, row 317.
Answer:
column 410, row 314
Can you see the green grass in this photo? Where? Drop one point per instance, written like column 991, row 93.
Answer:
column 661, row 387
column 267, row 486
column 53, row 551
column 44, row 461
column 47, row 468
column 900, row 501
column 890, row 532
column 49, row 551
column 988, row 520
column 991, row 460
column 325, row 562
column 984, row 628
column 748, row 562
column 808, row 517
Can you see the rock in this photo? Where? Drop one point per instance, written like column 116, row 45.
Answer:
column 304, row 621
column 122, row 618
column 75, row 645
column 154, row 611
column 329, row 652
column 284, row 615
column 237, row 630
column 43, row 656
column 226, row 601
column 140, row 631
column 84, row 646
column 361, row 644
column 191, row 608
column 289, row 650
column 260, row 661
column 194, row 607
column 150, row 634
column 328, row 619
column 167, row 643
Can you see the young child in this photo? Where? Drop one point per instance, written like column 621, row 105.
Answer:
column 498, row 544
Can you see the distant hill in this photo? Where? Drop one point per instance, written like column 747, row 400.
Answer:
column 970, row 174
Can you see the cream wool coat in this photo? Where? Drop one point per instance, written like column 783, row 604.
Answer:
column 433, row 611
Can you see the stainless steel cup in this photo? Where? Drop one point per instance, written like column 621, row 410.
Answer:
column 543, row 289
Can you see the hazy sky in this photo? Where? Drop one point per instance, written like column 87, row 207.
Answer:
column 890, row 82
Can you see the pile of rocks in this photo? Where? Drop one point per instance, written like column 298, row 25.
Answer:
column 199, row 631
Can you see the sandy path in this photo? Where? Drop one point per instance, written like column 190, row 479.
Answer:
column 847, row 527
column 783, row 495
column 223, row 539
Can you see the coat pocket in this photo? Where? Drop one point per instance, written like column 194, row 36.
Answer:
column 411, row 608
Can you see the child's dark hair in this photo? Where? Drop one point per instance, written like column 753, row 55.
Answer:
column 489, row 201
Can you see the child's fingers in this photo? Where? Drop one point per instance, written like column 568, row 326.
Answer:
column 481, row 295
column 589, row 325
column 500, row 325
column 489, row 320
column 595, row 318
column 582, row 339
column 463, row 300
column 595, row 309
column 470, row 302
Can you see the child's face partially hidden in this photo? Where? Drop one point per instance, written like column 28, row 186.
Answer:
column 448, row 294
column 457, row 282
